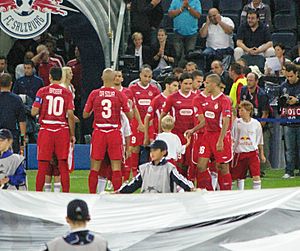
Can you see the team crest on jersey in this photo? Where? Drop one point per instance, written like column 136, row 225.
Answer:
column 150, row 93
column 216, row 106
column 25, row 19
column 150, row 109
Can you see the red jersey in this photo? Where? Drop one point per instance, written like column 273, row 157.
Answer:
column 197, row 103
column 143, row 97
column 183, row 110
column 128, row 93
column 156, row 108
column 53, row 101
column 214, row 109
column 196, row 91
column 44, row 69
column 107, row 104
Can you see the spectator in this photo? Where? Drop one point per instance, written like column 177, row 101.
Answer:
column 253, row 38
column 186, row 14
column 239, row 80
column 142, row 52
column 177, row 72
column 261, row 109
column 3, row 65
column 198, row 78
column 294, row 52
column 217, row 68
column 289, row 103
column 146, row 16
column 279, row 53
column 190, row 67
column 29, row 84
column 79, row 238
column 19, row 72
column 12, row 113
column 218, row 32
column 51, row 46
column 44, row 63
column 163, row 53
column 263, row 10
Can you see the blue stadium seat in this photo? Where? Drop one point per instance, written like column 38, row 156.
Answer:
column 230, row 6
column 285, row 22
column 235, row 18
column 206, row 5
column 289, row 39
column 255, row 60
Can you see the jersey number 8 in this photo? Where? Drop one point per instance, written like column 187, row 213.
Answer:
column 55, row 105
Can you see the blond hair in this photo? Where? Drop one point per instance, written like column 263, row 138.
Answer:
column 65, row 72
column 167, row 123
column 247, row 106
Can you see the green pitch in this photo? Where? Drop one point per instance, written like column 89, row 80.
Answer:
column 79, row 181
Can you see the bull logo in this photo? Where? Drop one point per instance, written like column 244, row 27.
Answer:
column 25, row 19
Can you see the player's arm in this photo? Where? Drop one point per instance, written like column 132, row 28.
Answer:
column 139, row 119
column 181, row 181
column 88, row 108
column 260, row 143
column 134, row 185
column 146, row 132
column 225, row 126
column 35, row 111
column 71, row 123
column 200, row 125
column 165, row 111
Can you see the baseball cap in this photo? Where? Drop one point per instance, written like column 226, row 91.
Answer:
column 5, row 134
column 78, row 210
column 159, row 144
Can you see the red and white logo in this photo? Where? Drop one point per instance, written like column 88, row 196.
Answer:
column 25, row 19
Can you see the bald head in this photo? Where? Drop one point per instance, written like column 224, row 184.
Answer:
column 212, row 13
column 108, row 77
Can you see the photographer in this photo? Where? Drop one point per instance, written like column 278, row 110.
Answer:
column 290, row 109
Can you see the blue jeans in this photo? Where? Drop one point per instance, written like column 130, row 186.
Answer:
column 292, row 147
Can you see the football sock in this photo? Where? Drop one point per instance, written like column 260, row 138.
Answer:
column 214, row 180
column 126, row 170
column 117, row 179
column 256, row 184
column 57, row 187
column 204, row 181
column 101, row 184
column 64, row 174
column 47, row 187
column 93, row 180
column 40, row 177
column 241, row 184
column 225, row 181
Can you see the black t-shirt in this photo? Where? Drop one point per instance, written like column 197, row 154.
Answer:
column 257, row 38
column 12, row 111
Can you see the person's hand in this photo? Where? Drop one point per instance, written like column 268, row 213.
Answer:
column 207, row 20
column 161, row 51
column 128, row 151
column 155, row 2
column 4, row 181
column 292, row 100
column 72, row 140
column 185, row 4
column 218, row 18
column 141, row 128
column 220, row 146
column 252, row 51
column 188, row 133
column 263, row 158
column 76, row 119
column 196, row 189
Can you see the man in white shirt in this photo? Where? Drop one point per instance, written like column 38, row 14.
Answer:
column 218, row 32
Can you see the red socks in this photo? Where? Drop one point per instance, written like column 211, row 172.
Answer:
column 64, row 174
column 117, row 179
column 40, row 177
column 134, row 163
column 126, row 170
column 93, row 181
column 225, row 181
column 204, row 181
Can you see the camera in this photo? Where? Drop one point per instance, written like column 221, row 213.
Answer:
column 283, row 99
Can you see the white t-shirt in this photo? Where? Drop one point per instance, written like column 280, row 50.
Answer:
column 246, row 136
column 217, row 38
column 125, row 130
column 175, row 148
column 139, row 53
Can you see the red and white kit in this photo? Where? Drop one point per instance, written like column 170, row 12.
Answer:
column 246, row 136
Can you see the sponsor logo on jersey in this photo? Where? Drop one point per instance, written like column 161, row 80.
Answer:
column 186, row 112
column 178, row 102
column 144, row 101
column 245, row 138
column 209, row 114
column 25, row 19
column 138, row 93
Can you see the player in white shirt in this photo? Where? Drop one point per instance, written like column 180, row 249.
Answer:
column 247, row 146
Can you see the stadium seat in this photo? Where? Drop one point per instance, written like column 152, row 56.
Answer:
column 235, row 18
column 165, row 5
column 206, row 5
column 255, row 60
column 230, row 6
column 167, row 23
column 268, row 2
column 285, row 22
column 284, row 6
column 288, row 39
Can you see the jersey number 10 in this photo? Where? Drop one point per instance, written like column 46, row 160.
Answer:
column 55, row 105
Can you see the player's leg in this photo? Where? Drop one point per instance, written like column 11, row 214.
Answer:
column 93, row 176
column 134, row 159
column 204, row 178
column 43, row 165
column 48, row 181
column 224, row 177
column 254, row 166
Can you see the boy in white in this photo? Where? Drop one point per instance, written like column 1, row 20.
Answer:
column 175, row 148
column 248, row 147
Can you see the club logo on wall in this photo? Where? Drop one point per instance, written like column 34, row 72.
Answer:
column 25, row 19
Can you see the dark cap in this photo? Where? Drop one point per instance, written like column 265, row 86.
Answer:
column 159, row 144
column 78, row 211
column 5, row 134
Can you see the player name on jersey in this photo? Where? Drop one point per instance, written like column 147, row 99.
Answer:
column 107, row 94
column 55, row 91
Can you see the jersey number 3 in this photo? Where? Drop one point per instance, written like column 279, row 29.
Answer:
column 55, row 105
column 106, row 105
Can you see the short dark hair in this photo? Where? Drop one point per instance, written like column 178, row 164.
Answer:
column 237, row 68
column 177, row 70
column 291, row 67
column 56, row 73
column 255, row 75
column 29, row 62
column 281, row 45
column 252, row 11
column 197, row 73
column 3, row 58
column 185, row 75
column 5, row 80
